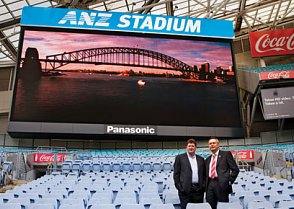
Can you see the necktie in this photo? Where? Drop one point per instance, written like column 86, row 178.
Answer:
column 213, row 167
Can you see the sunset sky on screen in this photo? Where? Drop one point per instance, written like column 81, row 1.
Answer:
column 188, row 51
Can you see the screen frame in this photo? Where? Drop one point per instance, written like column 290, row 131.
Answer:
column 75, row 130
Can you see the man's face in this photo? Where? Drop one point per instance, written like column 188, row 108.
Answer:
column 191, row 148
column 213, row 145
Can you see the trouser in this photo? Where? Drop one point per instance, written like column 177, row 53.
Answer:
column 215, row 194
column 196, row 195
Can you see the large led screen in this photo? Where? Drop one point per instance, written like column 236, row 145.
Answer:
column 116, row 83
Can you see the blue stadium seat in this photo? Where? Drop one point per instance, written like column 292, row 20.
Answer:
column 137, row 167
column 102, row 206
column 42, row 206
column 166, row 166
column 229, row 205
column 86, row 167
column 96, row 167
column 157, row 167
column 162, row 206
column 198, row 206
column 116, row 167
column 66, row 167
column 132, row 206
column 10, row 206
column 147, row 167
column 106, row 167
column 126, row 167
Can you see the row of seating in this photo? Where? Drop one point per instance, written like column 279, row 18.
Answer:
column 90, row 191
column 254, row 190
column 93, row 189
column 271, row 68
column 86, row 166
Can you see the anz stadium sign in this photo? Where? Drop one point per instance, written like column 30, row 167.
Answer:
column 116, row 21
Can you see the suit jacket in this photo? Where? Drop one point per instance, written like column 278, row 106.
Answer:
column 183, row 173
column 226, row 168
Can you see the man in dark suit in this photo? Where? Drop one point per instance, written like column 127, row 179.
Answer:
column 222, row 171
column 189, row 175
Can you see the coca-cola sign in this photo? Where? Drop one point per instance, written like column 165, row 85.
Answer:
column 47, row 157
column 243, row 154
column 272, row 42
column 284, row 74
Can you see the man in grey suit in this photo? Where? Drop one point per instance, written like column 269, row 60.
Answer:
column 189, row 175
column 222, row 171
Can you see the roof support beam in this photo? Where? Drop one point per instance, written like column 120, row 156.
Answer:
column 239, row 19
column 277, row 14
column 8, row 45
column 217, row 9
column 9, row 23
column 170, row 8
column 148, row 3
column 151, row 6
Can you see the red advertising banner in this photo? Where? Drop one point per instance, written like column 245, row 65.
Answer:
column 272, row 42
column 276, row 74
column 47, row 157
column 244, row 154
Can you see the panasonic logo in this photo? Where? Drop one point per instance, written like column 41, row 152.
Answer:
column 112, row 129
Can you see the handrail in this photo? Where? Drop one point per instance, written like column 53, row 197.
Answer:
column 51, row 148
column 244, row 165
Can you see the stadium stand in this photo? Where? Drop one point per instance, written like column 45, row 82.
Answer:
column 130, row 174
column 145, row 188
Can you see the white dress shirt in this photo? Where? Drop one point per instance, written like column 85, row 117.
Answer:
column 194, row 166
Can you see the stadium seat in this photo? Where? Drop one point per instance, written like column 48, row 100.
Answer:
column 116, row 167
column 285, row 204
column 10, row 206
column 102, row 206
column 106, row 167
column 123, row 200
column 41, row 206
column 126, row 167
column 86, row 167
column 147, row 167
column 96, row 167
column 76, row 167
column 23, row 201
column 132, row 206
column 275, row 199
column 157, row 167
column 136, row 166
column 260, row 205
column 172, row 198
column 162, row 206
column 72, row 205
column 65, row 168
column 229, row 205
column 150, row 201
column 166, row 166
column 198, row 206
column 48, row 200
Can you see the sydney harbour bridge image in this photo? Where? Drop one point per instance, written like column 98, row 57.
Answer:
column 117, row 56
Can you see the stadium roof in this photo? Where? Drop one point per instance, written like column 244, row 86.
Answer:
column 247, row 15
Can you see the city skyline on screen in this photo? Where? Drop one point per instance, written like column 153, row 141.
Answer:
column 191, row 52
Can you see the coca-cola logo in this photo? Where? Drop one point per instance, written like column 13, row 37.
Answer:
column 266, row 43
column 48, row 158
column 277, row 75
